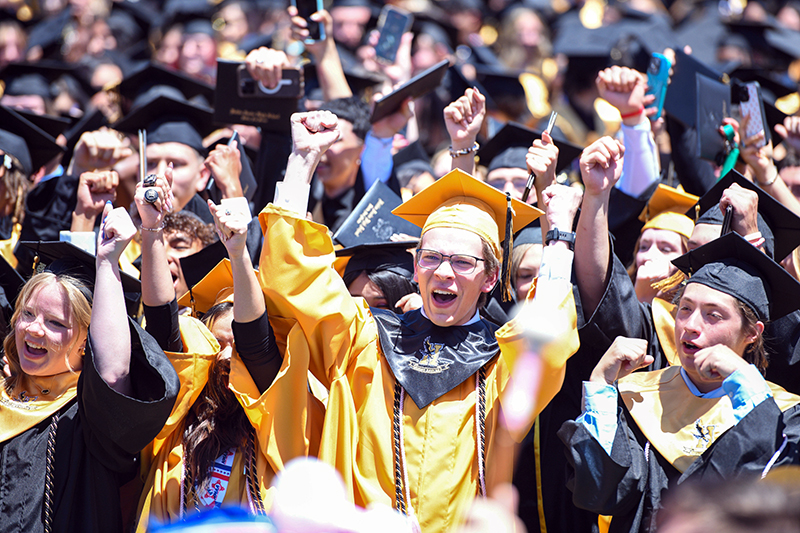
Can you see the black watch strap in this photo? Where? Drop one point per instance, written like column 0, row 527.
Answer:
column 557, row 235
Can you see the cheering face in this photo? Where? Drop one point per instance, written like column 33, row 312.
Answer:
column 707, row 317
column 449, row 291
column 47, row 340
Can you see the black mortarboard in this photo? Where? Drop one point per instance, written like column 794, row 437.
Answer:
column 636, row 37
column 681, row 99
column 576, row 41
column 713, row 105
column 531, row 234
column 62, row 257
column 457, row 84
column 514, row 135
column 359, row 79
column 419, row 85
column 32, row 78
column 374, row 257
column 782, row 223
column 170, row 119
column 53, row 126
column 437, row 25
column 504, row 89
column 11, row 283
column 733, row 266
column 150, row 75
column 372, row 221
column 776, row 85
column 186, row 11
column 702, row 33
column 24, row 140
column 195, row 267
column 48, row 34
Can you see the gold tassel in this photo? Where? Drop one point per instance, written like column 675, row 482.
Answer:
column 668, row 284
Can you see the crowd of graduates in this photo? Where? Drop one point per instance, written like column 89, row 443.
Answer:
column 539, row 270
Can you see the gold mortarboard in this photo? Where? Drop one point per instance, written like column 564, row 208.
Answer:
column 458, row 200
column 666, row 208
column 215, row 287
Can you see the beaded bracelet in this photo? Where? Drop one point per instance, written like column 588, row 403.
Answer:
column 464, row 151
column 162, row 226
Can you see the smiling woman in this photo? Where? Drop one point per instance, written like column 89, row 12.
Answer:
column 712, row 417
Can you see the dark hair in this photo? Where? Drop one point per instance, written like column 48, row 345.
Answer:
column 756, row 352
column 352, row 109
column 393, row 286
column 490, row 264
column 215, row 312
column 190, row 224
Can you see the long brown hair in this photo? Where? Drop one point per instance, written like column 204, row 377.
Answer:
column 215, row 423
column 80, row 313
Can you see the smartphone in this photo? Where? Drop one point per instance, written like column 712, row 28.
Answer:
column 658, row 80
column 753, row 108
column 392, row 24
column 306, row 8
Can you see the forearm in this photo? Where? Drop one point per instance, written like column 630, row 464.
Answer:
column 157, row 286
column 640, row 168
column 255, row 344
column 248, row 300
column 82, row 221
column 111, row 342
column 162, row 323
column 592, row 251
column 330, row 73
column 774, row 185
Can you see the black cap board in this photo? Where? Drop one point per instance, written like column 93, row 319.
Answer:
column 53, row 126
column 372, row 220
column 24, row 140
column 681, row 99
column 530, row 234
column 713, row 105
column 514, row 135
column 387, row 256
column 783, row 223
column 196, row 266
column 419, row 85
column 151, row 74
column 735, row 267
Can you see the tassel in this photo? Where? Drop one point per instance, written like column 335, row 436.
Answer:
column 505, row 277
column 191, row 303
column 667, row 285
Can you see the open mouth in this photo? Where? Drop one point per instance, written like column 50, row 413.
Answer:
column 443, row 297
column 35, row 349
column 689, row 347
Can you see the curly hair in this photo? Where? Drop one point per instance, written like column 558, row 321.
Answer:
column 190, row 224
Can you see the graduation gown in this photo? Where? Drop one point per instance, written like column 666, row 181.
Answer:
column 345, row 351
column 629, row 484
column 99, row 434
column 286, row 418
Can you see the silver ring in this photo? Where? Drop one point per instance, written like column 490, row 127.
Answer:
column 260, row 61
column 150, row 180
column 150, row 196
column 228, row 212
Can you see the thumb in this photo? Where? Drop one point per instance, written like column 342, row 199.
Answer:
column 546, row 138
column 168, row 174
column 107, row 209
column 780, row 129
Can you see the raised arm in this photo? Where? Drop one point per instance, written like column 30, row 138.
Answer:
column 541, row 160
column 464, row 119
column 111, row 342
column 601, row 166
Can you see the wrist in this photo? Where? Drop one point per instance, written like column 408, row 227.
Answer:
column 634, row 118
column 83, row 221
column 462, row 144
column 461, row 152
column 768, row 177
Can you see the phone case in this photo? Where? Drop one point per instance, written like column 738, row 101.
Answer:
column 753, row 108
column 658, row 80
column 306, row 8
column 393, row 24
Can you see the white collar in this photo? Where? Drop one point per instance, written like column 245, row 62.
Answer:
column 716, row 393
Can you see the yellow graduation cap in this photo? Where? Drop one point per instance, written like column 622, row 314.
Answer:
column 214, row 288
column 458, row 200
column 666, row 208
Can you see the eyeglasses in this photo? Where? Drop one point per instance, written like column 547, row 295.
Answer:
column 460, row 263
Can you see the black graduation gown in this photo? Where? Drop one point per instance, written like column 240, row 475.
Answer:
column 99, row 436
column 630, row 485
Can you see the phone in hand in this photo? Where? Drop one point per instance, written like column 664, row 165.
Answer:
column 392, row 24
column 752, row 106
column 658, row 80
column 306, row 8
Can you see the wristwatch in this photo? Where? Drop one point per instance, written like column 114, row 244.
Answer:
column 557, row 235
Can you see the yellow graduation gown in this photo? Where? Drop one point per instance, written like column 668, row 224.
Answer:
column 343, row 352
column 287, row 425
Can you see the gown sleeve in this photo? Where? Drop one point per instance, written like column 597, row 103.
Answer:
column 118, row 426
column 297, row 276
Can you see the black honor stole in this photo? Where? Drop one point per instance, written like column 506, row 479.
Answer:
column 428, row 360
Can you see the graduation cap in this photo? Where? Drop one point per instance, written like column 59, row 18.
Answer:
column 380, row 257
column 359, row 79
column 733, row 266
column 151, row 74
column 61, row 257
column 578, row 42
column 781, row 223
column 410, row 162
column 665, row 210
column 32, row 78
column 681, row 99
column 168, row 118
column 11, row 283
column 507, row 149
column 186, row 12
column 211, row 281
column 505, row 89
column 372, row 221
column 530, row 234
column 53, row 126
column 460, row 201
column 457, row 84
column 24, row 140
column 48, row 34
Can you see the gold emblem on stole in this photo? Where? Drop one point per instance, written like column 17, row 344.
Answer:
column 429, row 362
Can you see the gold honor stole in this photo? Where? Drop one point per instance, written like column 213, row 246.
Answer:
column 680, row 425
column 664, row 322
column 20, row 412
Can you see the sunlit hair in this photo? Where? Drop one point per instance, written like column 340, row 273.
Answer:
column 756, row 352
column 216, row 312
column 490, row 264
column 80, row 314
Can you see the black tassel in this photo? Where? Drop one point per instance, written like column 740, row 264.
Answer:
column 505, row 276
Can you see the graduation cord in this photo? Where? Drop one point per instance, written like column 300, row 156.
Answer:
column 253, row 492
column 774, row 457
column 186, row 484
column 403, row 501
column 49, row 474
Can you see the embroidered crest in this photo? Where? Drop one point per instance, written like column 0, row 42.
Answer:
column 705, row 435
column 429, row 363
column 383, row 230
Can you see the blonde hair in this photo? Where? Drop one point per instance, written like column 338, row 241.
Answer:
column 80, row 314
